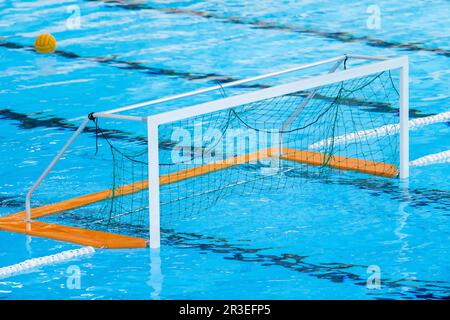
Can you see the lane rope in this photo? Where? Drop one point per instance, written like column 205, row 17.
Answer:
column 381, row 131
column 435, row 158
column 30, row 264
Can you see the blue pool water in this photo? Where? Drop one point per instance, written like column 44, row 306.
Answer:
column 316, row 243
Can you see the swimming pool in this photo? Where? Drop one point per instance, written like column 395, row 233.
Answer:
column 320, row 245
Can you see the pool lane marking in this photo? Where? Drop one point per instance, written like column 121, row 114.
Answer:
column 131, row 65
column 345, row 37
column 27, row 122
column 335, row 272
column 123, row 64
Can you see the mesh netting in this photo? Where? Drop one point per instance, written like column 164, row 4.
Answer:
column 324, row 127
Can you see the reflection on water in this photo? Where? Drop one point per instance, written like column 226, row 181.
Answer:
column 156, row 277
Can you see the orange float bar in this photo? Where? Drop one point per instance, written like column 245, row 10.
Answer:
column 80, row 236
column 16, row 222
column 340, row 162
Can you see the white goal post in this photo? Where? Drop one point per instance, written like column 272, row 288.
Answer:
column 153, row 122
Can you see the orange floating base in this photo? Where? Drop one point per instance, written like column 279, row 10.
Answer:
column 80, row 236
column 15, row 222
column 135, row 187
column 340, row 162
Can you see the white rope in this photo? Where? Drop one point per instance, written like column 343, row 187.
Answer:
column 42, row 261
column 381, row 131
column 441, row 157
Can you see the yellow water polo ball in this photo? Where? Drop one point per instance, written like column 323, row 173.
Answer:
column 45, row 43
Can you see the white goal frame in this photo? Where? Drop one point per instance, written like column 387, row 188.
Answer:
column 376, row 65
